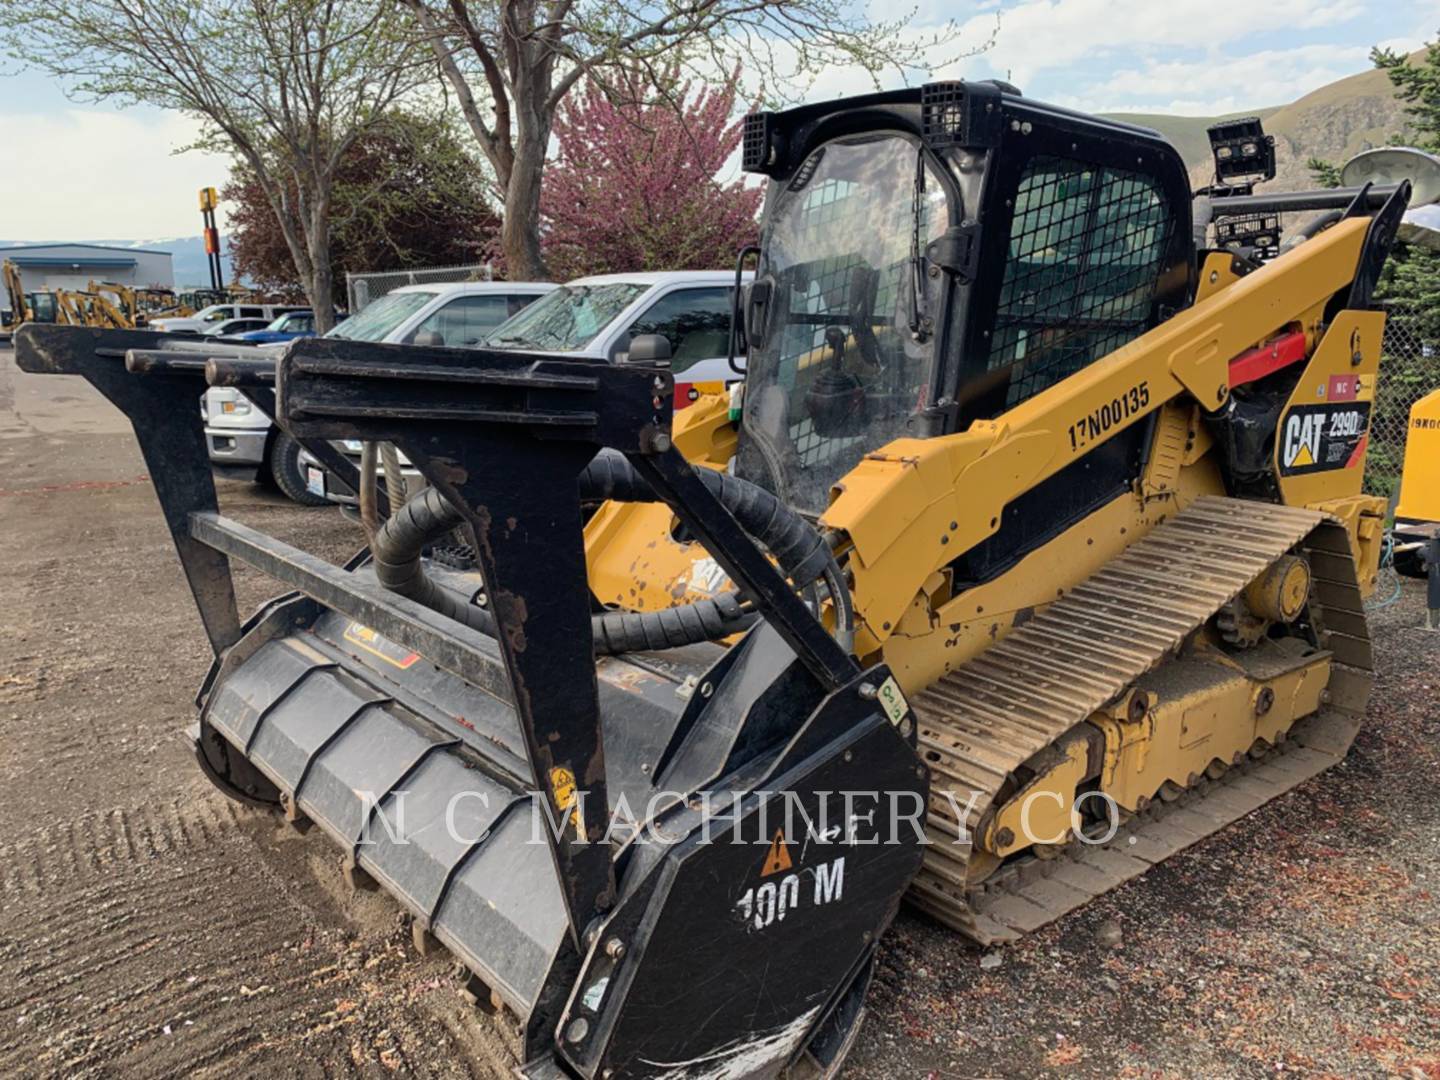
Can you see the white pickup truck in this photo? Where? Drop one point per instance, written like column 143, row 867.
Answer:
column 600, row 317
column 242, row 442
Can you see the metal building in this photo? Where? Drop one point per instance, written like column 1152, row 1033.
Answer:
column 72, row 266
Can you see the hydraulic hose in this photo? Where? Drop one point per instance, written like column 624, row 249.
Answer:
column 428, row 517
column 797, row 546
column 395, row 487
column 369, row 516
column 802, row 552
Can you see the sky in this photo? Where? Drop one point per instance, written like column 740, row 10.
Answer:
column 71, row 171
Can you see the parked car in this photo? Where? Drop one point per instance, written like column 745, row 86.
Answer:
column 231, row 329
column 287, row 327
column 599, row 317
column 216, row 313
column 244, row 444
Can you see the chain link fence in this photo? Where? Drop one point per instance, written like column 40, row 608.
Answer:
column 367, row 287
column 1409, row 369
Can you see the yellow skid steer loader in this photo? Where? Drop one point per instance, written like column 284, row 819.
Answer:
column 1036, row 553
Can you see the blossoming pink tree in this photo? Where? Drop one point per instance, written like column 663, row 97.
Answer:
column 636, row 182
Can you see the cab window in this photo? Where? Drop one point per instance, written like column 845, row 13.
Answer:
column 465, row 320
column 696, row 322
column 252, row 312
column 1082, row 268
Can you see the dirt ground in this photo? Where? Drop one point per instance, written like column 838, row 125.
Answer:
column 149, row 927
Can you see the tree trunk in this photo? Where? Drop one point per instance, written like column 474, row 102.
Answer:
column 520, row 231
column 320, row 284
column 322, row 295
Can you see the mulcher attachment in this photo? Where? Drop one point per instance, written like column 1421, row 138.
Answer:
column 768, row 797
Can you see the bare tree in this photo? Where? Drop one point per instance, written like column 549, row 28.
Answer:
column 286, row 86
column 510, row 63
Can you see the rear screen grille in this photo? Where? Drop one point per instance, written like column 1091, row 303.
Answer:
column 1084, row 253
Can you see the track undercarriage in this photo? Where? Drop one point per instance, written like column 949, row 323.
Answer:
column 1124, row 705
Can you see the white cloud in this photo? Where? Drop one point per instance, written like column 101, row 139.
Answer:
column 86, row 173
column 1221, row 84
column 1042, row 35
column 1088, row 43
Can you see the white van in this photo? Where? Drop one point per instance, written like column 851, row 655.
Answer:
column 244, row 444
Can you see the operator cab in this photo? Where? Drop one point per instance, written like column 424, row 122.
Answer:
column 935, row 256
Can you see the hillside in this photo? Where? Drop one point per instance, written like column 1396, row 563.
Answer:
column 1334, row 122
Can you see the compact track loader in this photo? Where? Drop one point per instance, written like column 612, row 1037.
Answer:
column 1037, row 552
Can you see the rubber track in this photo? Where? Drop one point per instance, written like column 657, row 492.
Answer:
column 992, row 714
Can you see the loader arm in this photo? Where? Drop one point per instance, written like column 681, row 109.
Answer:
column 913, row 505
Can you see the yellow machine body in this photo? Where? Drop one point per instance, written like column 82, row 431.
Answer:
column 1187, row 626
column 909, row 506
column 1420, row 480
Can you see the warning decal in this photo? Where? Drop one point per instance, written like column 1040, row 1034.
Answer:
column 1317, row 438
column 777, row 860
column 373, row 643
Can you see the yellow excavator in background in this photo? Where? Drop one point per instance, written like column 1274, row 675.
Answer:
column 83, row 307
column 1037, row 552
column 136, row 306
column 26, row 307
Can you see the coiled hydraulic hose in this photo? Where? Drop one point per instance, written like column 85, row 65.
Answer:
column 800, row 550
column 428, row 517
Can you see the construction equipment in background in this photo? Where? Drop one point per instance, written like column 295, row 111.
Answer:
column 199, row 299
column 1038, row 552
column 81, row 307
column 136, row 306
column 26, row 306
column 1417, row 513
column 209, row 199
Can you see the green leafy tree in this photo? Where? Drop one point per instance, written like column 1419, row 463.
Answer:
column 285, row 86
column 510, row 65
column 1418, row 85
column 1410, row 282
column 408, row 194
column 1324, row 173
column 1411, row 279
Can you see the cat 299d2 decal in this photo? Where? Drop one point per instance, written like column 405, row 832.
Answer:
column 1316, row 438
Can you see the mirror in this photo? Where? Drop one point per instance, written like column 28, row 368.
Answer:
column 428, row 337
column 652, row 349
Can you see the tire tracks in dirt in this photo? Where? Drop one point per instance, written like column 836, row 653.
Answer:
column 167, row 938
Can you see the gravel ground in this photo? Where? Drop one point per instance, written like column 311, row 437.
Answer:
column 149, row 927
